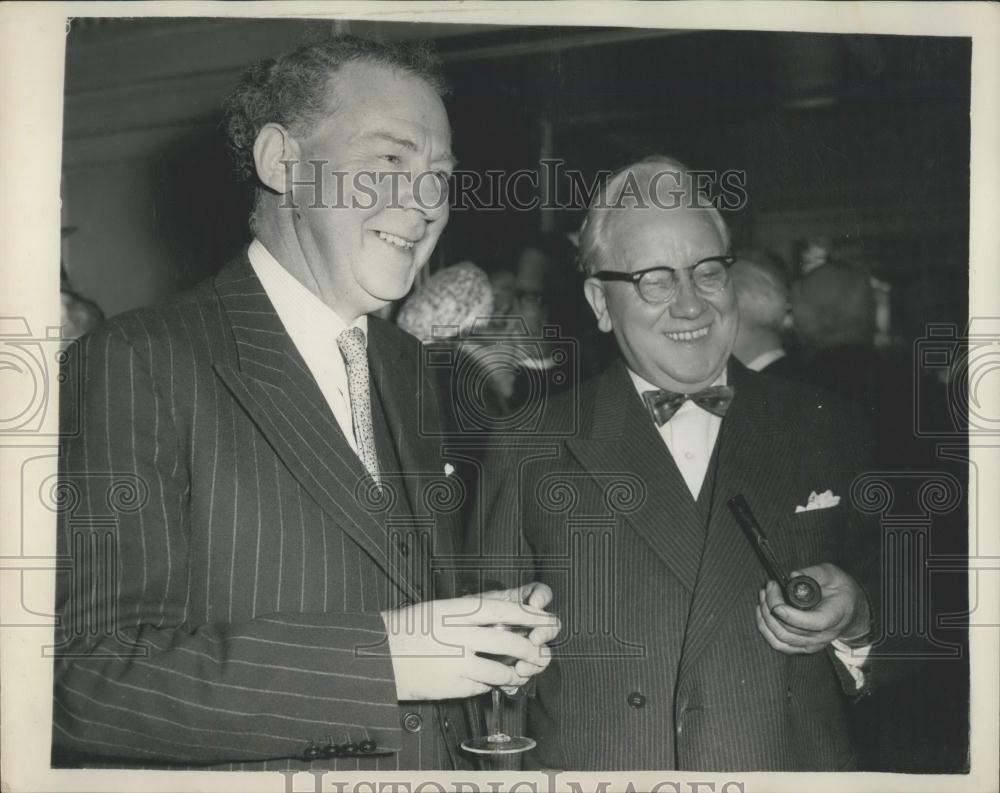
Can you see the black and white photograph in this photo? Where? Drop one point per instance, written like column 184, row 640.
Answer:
column 508, row 396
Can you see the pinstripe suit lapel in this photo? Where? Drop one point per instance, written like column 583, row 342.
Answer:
column 623, row 438
column 269, row 379
column 749, row 455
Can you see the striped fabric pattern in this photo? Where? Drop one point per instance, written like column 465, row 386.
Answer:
column 228, row 567
column 660, row 664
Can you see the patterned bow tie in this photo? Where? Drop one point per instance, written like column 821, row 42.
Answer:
column 663, row 404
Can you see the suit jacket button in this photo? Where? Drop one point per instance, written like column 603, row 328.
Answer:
column 412, row 722
column 367, row 746
column 636, row 700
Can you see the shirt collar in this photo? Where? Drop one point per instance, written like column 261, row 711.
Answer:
column 765, row 359
column 301, row 312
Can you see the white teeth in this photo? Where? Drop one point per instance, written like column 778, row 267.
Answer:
column 399, row 242
column 688, row 335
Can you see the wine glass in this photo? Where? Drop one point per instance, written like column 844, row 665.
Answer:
column 498, row 741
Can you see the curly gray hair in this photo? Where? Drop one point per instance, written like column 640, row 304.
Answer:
column 294, row 89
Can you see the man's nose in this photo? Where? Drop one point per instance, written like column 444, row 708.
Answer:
column 425, row 193
column 688, row 303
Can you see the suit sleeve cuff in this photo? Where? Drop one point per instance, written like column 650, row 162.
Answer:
column 853, row 659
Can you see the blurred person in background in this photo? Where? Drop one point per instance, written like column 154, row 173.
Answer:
column 453, row 304
column 504, row 284
column 762, row 296
column 533, row 283
column 833, row 312
column 833, row 308
column 546, row 263
column 79, row 315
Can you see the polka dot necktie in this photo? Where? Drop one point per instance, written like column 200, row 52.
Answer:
column 352, row 346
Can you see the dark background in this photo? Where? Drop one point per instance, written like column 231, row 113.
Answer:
column 858, row 142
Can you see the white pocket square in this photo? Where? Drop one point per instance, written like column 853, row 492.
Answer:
column 823, row 500
column 449, row 469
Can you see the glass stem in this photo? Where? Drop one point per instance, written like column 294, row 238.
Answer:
column 497, row 712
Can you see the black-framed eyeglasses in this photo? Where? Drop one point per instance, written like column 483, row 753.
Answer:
column 661, row 284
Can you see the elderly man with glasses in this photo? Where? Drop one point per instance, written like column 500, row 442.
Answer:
column 679, row 649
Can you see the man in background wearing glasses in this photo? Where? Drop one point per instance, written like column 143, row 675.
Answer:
column 677, row 650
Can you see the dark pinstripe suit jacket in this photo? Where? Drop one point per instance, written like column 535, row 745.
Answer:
column 660, row 665
column 228, row 569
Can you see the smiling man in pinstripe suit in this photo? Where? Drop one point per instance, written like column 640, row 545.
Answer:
column 267, row 599
column 676, row 651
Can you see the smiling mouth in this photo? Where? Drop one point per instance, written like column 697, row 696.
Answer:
column 688, row 335
column 392, row 239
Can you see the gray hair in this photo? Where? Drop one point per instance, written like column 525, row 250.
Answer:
column 761, row 289
column 294, row 89
column 834, row 304
column 639, row 177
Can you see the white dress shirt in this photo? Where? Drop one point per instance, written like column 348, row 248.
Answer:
column 766, row 359
column 313, row 327
column 690, row 437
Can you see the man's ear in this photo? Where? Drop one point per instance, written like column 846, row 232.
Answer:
column 272, row 150
column 593, row 290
